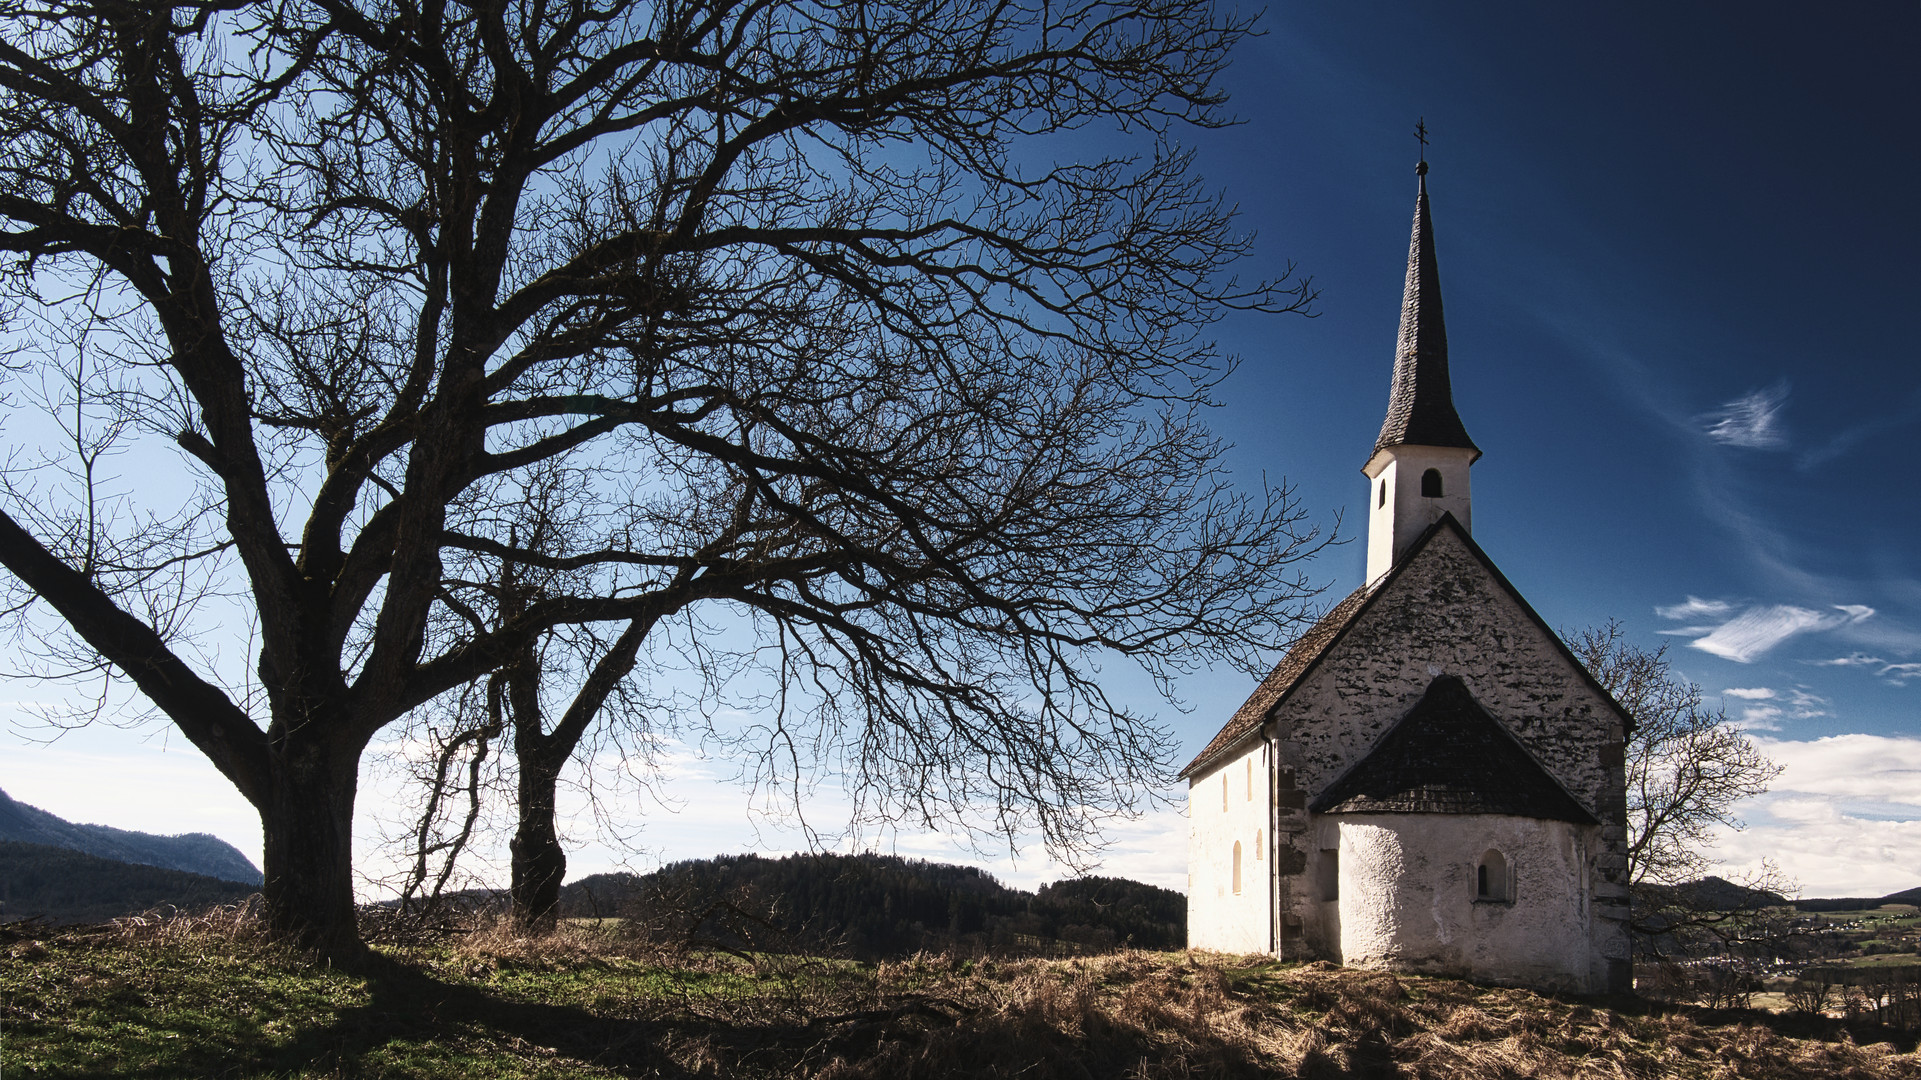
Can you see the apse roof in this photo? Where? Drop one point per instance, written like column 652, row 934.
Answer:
column 1449, row 756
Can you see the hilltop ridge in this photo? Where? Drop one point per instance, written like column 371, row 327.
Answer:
column 195, row 853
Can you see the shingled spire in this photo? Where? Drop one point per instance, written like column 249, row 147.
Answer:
column 1419, row 468
column 1420, row 407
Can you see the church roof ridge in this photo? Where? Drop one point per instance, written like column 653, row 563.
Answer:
column 1420, row 404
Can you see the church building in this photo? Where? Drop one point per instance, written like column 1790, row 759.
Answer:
column 1428, row 781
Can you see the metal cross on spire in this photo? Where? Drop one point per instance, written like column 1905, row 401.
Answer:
column 1420, row 132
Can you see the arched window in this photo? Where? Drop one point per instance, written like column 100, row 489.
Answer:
column 1237, row 868
column 1431, row 484
column 1383, row 500
column 1491, row 878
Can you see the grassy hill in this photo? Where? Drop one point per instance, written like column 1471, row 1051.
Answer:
column 71, row 886
column 185, row 1001
column 195, row 853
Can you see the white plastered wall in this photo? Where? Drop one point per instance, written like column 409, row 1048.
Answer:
column 1398, row 520
column 1408, row 898
column 1226, row 805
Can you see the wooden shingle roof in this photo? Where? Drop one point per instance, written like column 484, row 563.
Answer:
column 1247, row 719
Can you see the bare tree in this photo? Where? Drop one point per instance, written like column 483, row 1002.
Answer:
column 850, row 361
column 1688, row 769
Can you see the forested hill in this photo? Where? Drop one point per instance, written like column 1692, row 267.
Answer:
column 67, row 886
column 196, row 853
column 880, row 905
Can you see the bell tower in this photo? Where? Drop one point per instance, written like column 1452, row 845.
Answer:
column 1419, row 468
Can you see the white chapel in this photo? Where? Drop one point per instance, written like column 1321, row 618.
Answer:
column 1428, row 781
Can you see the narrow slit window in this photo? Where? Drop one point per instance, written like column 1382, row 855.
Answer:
column 1223, row 791
column 1431, row 484
column 1491, row 878
column 1250, row 779
column 1257, row 845
column 1383, row 499
column 1237, row 868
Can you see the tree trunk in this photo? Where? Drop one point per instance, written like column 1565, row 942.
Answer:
column 539, row 863
column 307, row 831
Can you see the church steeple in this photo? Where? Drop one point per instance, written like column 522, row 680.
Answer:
column 1420, row 407
column 1419, row 468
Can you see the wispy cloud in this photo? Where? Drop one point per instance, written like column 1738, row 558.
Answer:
column 1901, row 673
column 1872, row 427
column 1855, row 660
column 1769, row 708
column 1751, row 421
column 1757, row 629
column 1896, row 673
column 1696, row 608
column 1805, row 705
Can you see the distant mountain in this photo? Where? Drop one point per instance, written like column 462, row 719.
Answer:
column 1859, row 903
column 873, row 906
column 195, row 853
column 64, row 885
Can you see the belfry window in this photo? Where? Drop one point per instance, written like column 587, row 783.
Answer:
column 1431, row 484
column 1491, row 879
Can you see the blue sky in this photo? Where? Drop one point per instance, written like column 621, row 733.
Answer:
column 1678, row 248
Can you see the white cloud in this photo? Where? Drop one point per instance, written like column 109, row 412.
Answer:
column 1757, row 693
column 1856, row 660
column 1696, row 608
column 1901, row 673
column 1761, row 718
column 1843, row 818
column 1758, row 629
column 1806, row 706
column 1896, row 673
column 1751, row 420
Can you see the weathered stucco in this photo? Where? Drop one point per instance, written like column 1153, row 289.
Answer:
column 1408, row 897
column 1218, row 917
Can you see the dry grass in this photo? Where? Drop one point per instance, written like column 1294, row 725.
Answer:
column 589, row 1002
column 1167, row 1015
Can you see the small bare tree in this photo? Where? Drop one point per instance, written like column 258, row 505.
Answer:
column 1688, row 768
column 853, row 363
